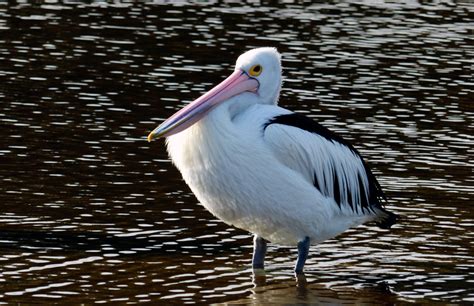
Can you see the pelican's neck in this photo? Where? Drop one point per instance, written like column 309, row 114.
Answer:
column 211, row 137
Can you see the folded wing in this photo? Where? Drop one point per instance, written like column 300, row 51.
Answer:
column 325, row 159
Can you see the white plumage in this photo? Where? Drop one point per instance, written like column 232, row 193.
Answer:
column 267, row 170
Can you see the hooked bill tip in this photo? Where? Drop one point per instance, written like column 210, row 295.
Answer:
column 151, row 136
column 156, row 133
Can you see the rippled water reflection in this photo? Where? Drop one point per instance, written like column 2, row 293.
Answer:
column 92, row 213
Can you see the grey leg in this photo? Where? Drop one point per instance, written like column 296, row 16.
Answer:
column 303, row 250
column 259, row 250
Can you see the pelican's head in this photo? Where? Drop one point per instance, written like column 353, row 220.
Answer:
column 263, row 64
column 257, row 71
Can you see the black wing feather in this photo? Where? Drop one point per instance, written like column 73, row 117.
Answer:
column 375, row 193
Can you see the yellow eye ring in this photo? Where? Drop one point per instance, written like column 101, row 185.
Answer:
column 256, row 70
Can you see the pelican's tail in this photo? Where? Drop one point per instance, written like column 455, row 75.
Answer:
column 385, row 219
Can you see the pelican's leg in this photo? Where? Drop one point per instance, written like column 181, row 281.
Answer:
column 303, row 250
column 259, row 250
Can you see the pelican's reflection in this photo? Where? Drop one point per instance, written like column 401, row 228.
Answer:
column 270, row 288
column 259, row 277
column 301, row 285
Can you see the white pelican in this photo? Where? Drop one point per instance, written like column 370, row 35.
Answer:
column 267, row 170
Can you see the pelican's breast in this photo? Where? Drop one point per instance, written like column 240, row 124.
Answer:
column 213, row 164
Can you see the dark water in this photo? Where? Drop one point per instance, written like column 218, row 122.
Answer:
column 90, row 212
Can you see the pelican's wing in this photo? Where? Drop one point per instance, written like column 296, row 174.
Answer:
column 325, row 159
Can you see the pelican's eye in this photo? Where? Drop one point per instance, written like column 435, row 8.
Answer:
column 255, row 70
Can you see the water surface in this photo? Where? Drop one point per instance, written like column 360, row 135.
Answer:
column 92, row 213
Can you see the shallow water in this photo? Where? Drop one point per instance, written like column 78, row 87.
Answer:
column 93, row 213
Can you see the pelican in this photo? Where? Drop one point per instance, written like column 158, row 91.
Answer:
column 267, row 170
